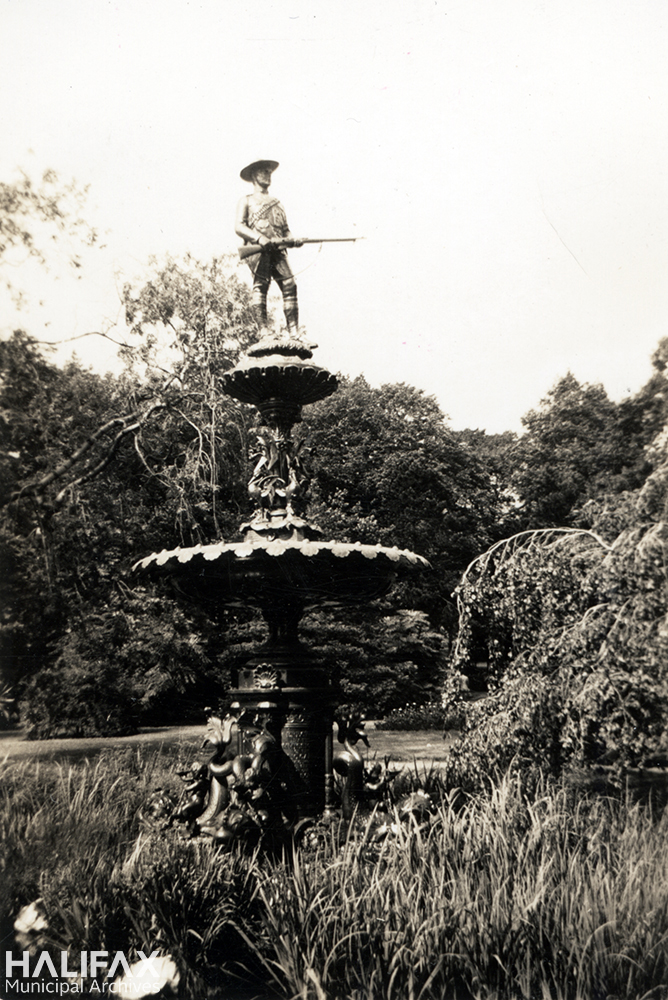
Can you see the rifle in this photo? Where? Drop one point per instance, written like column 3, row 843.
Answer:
column 250, row 249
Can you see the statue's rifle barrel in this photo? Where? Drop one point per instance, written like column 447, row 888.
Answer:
column 334, row 239
column 252, row 248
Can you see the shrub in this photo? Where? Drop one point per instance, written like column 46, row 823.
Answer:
column 431, row 715
column 141, row 661
column 74, row 698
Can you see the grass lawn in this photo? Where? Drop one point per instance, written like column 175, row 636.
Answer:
column 424, row 746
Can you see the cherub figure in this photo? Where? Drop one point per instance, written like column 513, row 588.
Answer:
column 196, row 780
column 348, row 761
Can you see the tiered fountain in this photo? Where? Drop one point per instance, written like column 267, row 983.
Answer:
column 273, row 763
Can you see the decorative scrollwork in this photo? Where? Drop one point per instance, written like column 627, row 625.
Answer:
column 279, row 475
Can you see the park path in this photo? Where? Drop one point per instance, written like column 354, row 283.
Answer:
column 423, row 746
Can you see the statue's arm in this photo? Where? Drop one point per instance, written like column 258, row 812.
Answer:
column 288, row 235
column 242, row 228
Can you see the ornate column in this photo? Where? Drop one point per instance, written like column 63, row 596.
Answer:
column 283, row 680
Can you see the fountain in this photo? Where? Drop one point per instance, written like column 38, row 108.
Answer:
column 273, row 762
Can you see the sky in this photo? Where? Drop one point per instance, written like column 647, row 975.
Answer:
column 505, row 162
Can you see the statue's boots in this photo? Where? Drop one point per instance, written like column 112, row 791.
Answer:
column 260, row 315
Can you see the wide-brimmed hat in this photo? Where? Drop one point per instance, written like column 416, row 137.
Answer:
column 247, row 173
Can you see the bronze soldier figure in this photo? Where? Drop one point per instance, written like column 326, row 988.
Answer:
column 261, row 220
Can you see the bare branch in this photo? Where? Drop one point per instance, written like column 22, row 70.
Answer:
column 142, row 458
column 80, row 336
column 127, row 424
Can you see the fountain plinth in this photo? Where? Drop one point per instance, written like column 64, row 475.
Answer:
column 274, row 755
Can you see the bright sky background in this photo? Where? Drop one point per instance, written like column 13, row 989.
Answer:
column 506, row 162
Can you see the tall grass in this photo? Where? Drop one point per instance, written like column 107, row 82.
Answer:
column 553, row 895
column 56, row 817
column 548, row 898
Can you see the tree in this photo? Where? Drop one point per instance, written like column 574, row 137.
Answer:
column 643, row 417
column 46, row 413
column 79, row 507
column 382, row 660
column 575, row 622
column 575, row 448
column 191, row 322
column 101, row 470
column 186, row 434
column 380, row 657
column 136, row 660
column 496, row 454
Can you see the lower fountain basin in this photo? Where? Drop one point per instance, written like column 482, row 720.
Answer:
column 313, row 574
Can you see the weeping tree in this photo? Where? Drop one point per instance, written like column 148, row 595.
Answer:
column 575, row 622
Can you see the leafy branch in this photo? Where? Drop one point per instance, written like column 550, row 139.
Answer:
column 30, row 213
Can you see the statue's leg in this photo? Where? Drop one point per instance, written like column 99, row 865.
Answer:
column 290, row 305
column 259, row 300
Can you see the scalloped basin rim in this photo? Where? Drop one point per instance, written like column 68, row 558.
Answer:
column 244, row 550
column 273, row 361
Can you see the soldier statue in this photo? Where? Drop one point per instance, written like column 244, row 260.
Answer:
column 261, row 220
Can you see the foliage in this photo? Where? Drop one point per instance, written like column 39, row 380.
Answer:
column 77, row 697
column 190, row 322
column 577, row 445
column 35, row 215
column 72, row 836
column 66, row 551
column 140, row 661
column 8, row 711
column 379, row 656
column 195, row 317
column 380, row 661
column 577, row 641
column 99, row 470
column 387, row 469
column 414, row 717
column 497, row 453
column 501, row 895
column 642, row 418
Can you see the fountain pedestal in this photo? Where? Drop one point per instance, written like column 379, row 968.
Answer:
column 284, row 688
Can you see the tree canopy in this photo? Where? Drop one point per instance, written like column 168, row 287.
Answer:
column 578, row 444
column 388, row 469
column 99, row 470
